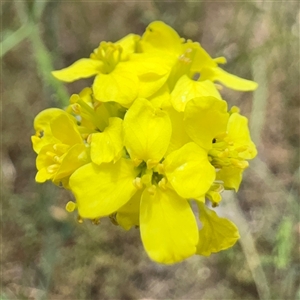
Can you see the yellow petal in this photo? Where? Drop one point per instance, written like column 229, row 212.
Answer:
column 201, row 59
column 220, row 60
column 161, row 99
column 102, row 190
column 153, row 71
column 161, row 37
column 205, row 118
column 42, row 127
column 43, row 160
column 231, row 177
column 187, row 89
column 189, row 171
column 65, row 130
column 105, row 111
column 168, row 227
column 129, row 214
column 107, row 146
column 74, row 159
column 229, row 80
column 128, row 44
column 217, row 233
column 179, row 136
column 43, row 175
column 121, row 86
column 82, row 68
column 147, row 131
column 238, row 133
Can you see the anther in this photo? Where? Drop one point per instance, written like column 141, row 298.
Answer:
column 52, row 168
column 241, row 149
column 146, row 179
column 40, row 133
column 160, row 169
column 71, row 206
column 234, row 109
column 97, row 104
column 89, row 139
column 79, row 219
column 137, row 182
column 163, row 184
column 152, row 190
column 51, row 154
column 151, row 163
column 113, row 219
column 225, row 153
column 96, row 221
column 62, row 148
column 58, row 159
column 242, row 164
column 136, row 161
column 74, row 98
column 76, row 108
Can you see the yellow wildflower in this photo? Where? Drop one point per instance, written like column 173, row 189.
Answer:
column 150, row 136
column 64, row 152
column 121, row 75
column 193, row 71
column 167, row 183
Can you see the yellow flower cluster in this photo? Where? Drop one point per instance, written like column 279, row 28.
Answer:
column 149, row 138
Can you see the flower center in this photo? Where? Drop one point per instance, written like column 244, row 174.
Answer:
column 182, row 67
column 109, row 53
column 224, row 153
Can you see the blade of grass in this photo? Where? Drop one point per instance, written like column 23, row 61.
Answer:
column 15, row 39
column 42, row 55
column 248, row 245
column 259, row 104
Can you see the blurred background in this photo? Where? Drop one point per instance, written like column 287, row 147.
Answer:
column 47, row 254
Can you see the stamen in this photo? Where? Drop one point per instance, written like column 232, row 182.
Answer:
column 242, row 164
column 76, row 108
column 234, row 109
column 136, row 161
column 160, row 169
column 151, row 163
column 58, row 159
column 152, row 190
column 52, row 168
column 96, row 221
column 221, row 136
column 89, row 139
column 146, row 179
column 74, row 98
column 61, row 148
column 40, row 133
column 51, row 154
column 113, row 219
column 71, row 206
column 163, row 184
column 137, row 182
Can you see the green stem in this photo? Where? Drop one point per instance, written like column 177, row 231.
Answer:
column 248, row 245
column 42, row 55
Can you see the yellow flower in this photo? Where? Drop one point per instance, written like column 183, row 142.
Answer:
column 149, row 137
column 121, row 73
column 231, row 152
column 216, row 233
column 63, row 150
column 168, row 226
column 225, row 135
column 193, row 69
column 43, row 135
